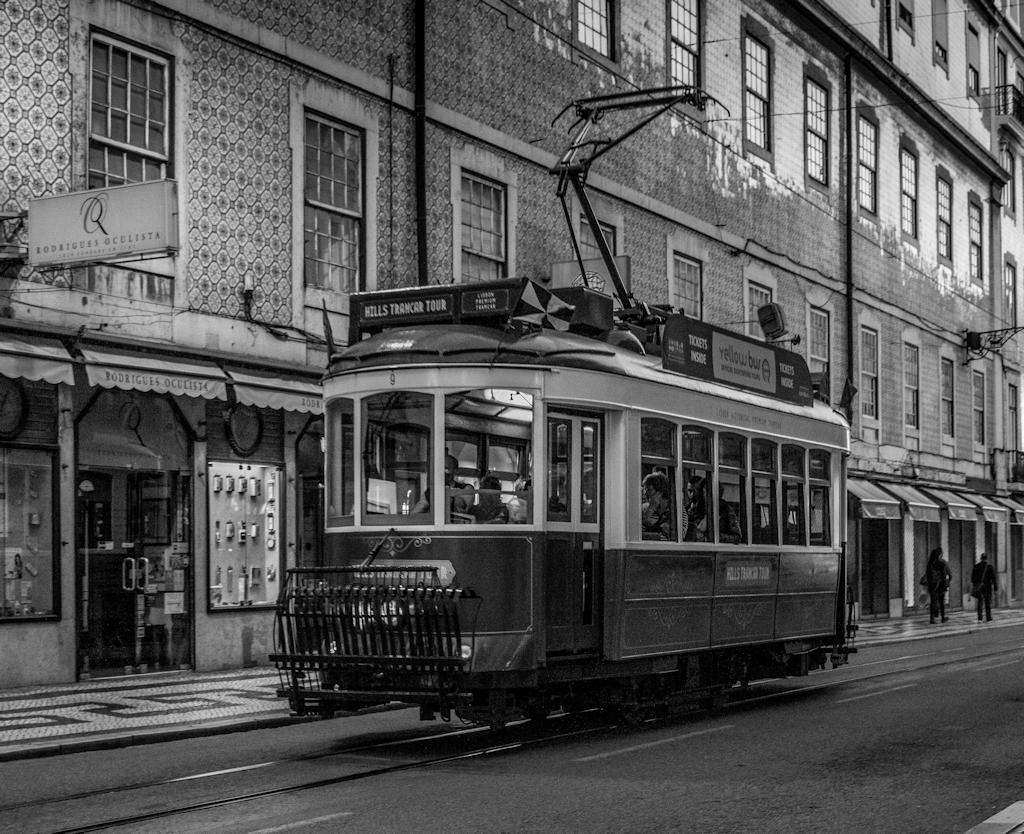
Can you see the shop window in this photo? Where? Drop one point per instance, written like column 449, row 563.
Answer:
column 28, row 562
column 244, row 544
column 764, row 465
column 658, row 479
column 819, row 471
column 732, row 489
column 695, row 460
column 794, row 529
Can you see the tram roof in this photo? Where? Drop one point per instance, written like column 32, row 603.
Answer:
column 464, row 344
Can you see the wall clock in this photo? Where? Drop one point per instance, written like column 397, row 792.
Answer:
column 244, row 429
column 13, row 408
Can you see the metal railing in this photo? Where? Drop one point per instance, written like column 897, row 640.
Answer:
column 1010, row 102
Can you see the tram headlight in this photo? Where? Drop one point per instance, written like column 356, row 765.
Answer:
column 467, row 651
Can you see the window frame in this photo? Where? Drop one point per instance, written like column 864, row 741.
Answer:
column 677, row 283
column 869, row 403
column 816, row 133
column 978, row 428
column 332, row 210
column 672, row 9
column 753, row 324
column 611, row 15
column 1010, row 306
column 867, row 165
column 947, row 398
column 975, row 237
column 944, row 217
column 940, row 34
column 1013, row 417
column 501, row 264
column 909, row 165
column 759, row 146
column 911, row 387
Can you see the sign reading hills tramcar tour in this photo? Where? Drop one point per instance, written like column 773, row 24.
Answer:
column 701, row 350
column 434, row 305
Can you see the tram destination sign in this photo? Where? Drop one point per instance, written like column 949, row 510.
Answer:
column 703, row 351
column 471, row 303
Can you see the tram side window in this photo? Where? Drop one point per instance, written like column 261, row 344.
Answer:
column 764, row 466
column 658, row 480
column 340, row 442
column 820, row 471
column 396, row 455
column 488, row 432
column 732, row 488
column 695, row 460
column 794, row 530
column 559, row 468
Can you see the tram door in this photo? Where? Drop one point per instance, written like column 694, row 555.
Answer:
column 574, row 562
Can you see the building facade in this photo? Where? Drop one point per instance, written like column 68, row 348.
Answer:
column 854, row 163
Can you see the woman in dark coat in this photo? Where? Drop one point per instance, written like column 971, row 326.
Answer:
column 936, row 579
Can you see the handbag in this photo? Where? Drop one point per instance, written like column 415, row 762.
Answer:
column 976, row 590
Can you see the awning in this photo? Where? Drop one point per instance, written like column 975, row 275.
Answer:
column 919, row 506
column 988, row 506
column 265, row 391
column 1016, row 509
column 960, row 509
column 40, row 359
column 130, row 371
column 874, row 502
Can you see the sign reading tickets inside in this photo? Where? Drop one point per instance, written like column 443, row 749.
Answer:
column 701, row 350
column 103, row 224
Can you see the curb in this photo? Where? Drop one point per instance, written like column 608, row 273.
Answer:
column 930, row 635
column 111, row 741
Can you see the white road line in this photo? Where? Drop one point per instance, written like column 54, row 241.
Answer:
column 220, row 772
column 873, row 694
column 996, row 666
column 302, row 823
column 647, row 746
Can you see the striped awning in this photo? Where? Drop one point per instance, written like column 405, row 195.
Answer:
column 918, row 505
column 132, row 371
column 270, row 391
column 960, row 509
column 872, row 501
column 992, row 510
column 35, row 358
column 1016, row 509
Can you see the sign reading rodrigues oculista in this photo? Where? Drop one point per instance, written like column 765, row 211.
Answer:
column 119, row 223
column 701, row 350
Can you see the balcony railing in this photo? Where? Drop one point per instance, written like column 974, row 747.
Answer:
column 1010, row 102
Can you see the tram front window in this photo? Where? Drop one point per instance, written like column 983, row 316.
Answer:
column 396, row 455
column 487, row 431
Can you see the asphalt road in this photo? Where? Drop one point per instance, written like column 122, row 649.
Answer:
column 918, row 737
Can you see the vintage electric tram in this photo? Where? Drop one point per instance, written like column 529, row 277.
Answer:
column 490, row 546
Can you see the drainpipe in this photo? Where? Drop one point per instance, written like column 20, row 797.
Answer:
column 420, row 160
column 851, row 188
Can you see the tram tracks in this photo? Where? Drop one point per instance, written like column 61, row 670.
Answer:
column 517, row 736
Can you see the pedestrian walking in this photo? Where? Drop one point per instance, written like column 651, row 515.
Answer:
column 983, row 583
column 936, row 580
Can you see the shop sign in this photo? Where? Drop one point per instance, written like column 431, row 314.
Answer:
column 120, row 223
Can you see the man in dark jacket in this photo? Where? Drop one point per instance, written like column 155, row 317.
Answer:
column 983, row 583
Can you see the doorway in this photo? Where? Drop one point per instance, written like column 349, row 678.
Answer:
column 133, row 537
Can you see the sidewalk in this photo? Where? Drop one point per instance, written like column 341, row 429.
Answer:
column 117, row 712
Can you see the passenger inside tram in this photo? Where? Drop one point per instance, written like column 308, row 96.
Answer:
column 656, row 512
column 459, row 503
column 696, row 510
column 489, row 509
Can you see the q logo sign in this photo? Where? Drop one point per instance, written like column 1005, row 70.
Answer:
column 93, row 210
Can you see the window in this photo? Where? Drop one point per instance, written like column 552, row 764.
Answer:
column 594, row 26
column 1012, row 418
column 764, row 456
column 757, row 93
column 688, row 285
column 695, row 458
column 905, row 16
column 757, row 297
column 129, row 115
column 908, row 193
column 793, row 516
column 1010, row 294
column 816, row 136
column 658, row 474
column 1009, row 196
column 869, row 373
column 684, row 42
column 340, row 469
column 396, row 454
column 483, row 229
column 818, row 471
column 946, row 397
column 819, row 348
column 911, row 386
column 974, row 238
column 732, row 488
column 333, row 216
column 867, row 165
column 944, row 217
column 28, row 559
column 978, row 406
column 973, row 61
column 940, row 31
column 588, row 242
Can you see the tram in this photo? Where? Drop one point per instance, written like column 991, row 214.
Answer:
column 563, row 515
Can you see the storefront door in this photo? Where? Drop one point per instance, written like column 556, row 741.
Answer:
column 133, row 534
